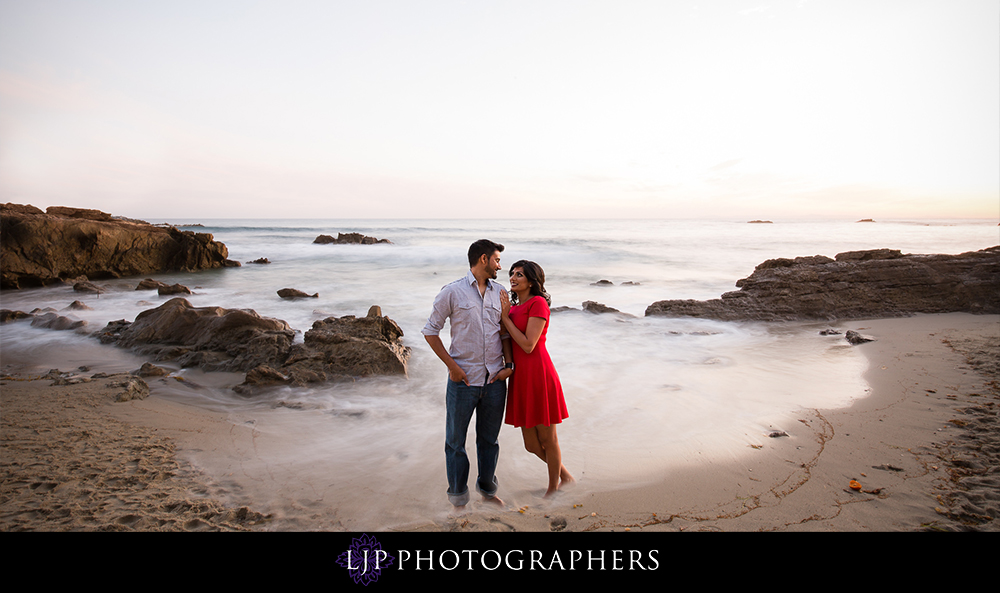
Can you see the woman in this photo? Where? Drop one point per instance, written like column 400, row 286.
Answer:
column 534, row 396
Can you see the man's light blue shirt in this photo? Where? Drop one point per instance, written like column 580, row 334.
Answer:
column 475, row 326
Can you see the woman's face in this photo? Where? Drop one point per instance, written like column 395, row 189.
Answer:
column 518, row 282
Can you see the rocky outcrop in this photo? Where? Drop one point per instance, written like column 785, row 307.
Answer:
column 294, row 293
column 212, row 338
column 218, row 339
column 55, row 321
column 69, row 244
column 349, row 239
column 857, row 284
column 337, row 348
column 166, row 290
column 150, row 284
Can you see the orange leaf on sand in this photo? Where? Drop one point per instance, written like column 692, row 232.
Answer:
column 855, row 485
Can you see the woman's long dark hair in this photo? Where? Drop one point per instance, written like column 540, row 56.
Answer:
column 535, row 275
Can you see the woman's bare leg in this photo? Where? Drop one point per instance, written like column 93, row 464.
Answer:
column 558, row 475
column 533, row 444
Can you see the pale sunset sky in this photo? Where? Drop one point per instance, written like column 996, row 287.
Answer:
column 505, row 109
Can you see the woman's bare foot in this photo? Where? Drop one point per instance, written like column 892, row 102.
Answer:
column 565, row 479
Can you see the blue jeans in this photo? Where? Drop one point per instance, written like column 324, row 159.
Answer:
column 487, row 402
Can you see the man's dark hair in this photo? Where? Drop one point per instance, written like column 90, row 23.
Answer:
column 480, row 248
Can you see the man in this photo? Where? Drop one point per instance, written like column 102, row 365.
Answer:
column 477, row 371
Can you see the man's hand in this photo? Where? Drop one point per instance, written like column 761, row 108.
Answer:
column 503, row 375
column 458, row 375
column 455, row 372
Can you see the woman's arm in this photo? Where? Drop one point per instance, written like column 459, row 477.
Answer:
column 533, row 331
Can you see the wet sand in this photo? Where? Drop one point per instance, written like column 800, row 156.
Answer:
column 923, row 446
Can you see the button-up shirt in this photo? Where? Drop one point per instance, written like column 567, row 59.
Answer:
column 475, row 326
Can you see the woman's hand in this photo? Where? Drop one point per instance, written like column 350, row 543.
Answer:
column 504, row 303
column 503, row 375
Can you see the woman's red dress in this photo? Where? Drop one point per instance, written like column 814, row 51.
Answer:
column 534, row 394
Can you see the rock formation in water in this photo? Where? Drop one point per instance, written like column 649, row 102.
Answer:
column 218, row 339
column 294, row 293
column 212, row 338
column 349, row 239
column 857, row 284
column 337, row 348
column 70, row 244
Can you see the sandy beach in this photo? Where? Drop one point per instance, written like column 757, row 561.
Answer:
column 923, row 446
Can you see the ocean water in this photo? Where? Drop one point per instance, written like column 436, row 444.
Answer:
column 644, row 394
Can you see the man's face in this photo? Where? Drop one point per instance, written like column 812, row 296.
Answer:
column 493, row 265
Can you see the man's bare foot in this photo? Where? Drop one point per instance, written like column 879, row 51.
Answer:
column 550, row 492
column 493, row 500
column 458, row 509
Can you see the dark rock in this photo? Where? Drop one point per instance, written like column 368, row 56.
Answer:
column 338, row 348
column 173, row 289
column 88, row 287
column 869, row 255
column 57, row 322
column 262, row 260
column 777, row 433
column 829, row 332
column 875, row 283
column 150, row 284
column 595, row 307
column 6, row 315
column 562, row 308
column 855, row 338
column 759, row 222
column 130, row 388
column 602, row 283
column 630, row 283
column 349, row 239
column 149, row 369
column 292, row 293
column 43, row 248
column 866, row 220
column 78, row 306
column 213, row 338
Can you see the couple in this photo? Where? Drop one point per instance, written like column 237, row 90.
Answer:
column 480, row 360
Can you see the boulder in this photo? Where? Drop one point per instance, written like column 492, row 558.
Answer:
column 87, row 287
column 292, row 293
column 602, row 283
column 43, row 248
column 173, row 289
column 856, row 284
column 7, row 315
column 855, row 338
column 212, row 338
column 349, row 239
column 262, row 260
column 55, row 321
column 338, row 348
column 595, row 307
column 150, row 284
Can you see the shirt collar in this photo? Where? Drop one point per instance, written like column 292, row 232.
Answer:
column 471, row 279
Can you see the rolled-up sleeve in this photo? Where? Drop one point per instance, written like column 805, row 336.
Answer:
column 439, row 313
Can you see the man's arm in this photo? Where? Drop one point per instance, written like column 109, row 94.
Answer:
column 455, row 372
column 508, row 357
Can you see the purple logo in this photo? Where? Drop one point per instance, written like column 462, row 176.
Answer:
column 365, row 559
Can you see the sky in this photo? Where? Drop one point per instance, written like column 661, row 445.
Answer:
column 477, row 109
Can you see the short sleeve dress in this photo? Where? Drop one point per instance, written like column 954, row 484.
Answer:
column 534, row 393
